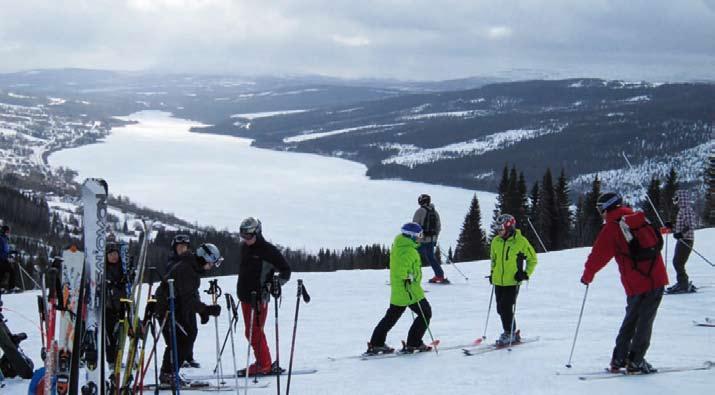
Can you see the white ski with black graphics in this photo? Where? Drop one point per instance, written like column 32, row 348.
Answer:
column 94, row 200
column 606, row 373
column 71, row 282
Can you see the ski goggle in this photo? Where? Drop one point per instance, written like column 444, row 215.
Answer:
column 601, row 207
column 247, row 236
column 182, row 239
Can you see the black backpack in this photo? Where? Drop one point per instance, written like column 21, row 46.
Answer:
column 430, row 222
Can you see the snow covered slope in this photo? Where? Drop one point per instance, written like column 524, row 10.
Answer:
column 347, row 305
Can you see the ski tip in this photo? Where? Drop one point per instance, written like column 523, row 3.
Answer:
column 568, row 365
column 478, row 341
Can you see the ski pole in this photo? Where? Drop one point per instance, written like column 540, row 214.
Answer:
column 434, row 343
column 537, row 234
column 655, row 210
column 172, row 307
column 234, row 321
column 215, row 292
column 451, row 262
column 306, row 298
column 578, row 325
column 250, row 337
column 276, row 291
column 489, row 309
column 229, row 309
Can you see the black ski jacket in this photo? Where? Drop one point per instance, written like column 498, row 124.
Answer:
column 116, row 284
column 257, row 266
column 186, row 274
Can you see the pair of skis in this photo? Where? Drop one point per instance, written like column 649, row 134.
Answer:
column 606, row 373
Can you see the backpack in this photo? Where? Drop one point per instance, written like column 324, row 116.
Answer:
column 430, row 222
column 644, row 240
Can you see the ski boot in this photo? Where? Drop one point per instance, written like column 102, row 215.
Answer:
column 254, row 370
column 438, row 280
column 414, row 349
column 276, row 369
column 376, row 350
column 616, row 365
column 508, row 338
column 642, row 367
column 191, row 364
column 166, row 379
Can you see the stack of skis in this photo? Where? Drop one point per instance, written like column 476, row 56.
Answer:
column 73, row 286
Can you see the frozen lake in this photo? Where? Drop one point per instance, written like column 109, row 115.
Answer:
column 304, row 200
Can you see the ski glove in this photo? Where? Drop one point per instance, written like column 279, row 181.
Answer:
column 586, row 279
column 210, row 310
column 668, row 224
column 678, row 235
column 521, row 276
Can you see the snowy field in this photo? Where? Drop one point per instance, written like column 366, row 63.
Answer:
column 347, row 305
column 304, row 200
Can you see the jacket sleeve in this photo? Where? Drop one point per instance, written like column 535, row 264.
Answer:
column 604, row 249
column 185, row 292
column 493, row 256
column 278, row 261
column 4, row 248
column 438, row 225
column 419, row 216
column 685, row 221
column 531, row 259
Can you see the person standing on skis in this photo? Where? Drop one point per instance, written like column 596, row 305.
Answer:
column 427, row 217
column 643, row 284
column 406, row 291
column 259, row 262
column 684, row 235
column 186, row 273
column 180, row 245
column 509, row 251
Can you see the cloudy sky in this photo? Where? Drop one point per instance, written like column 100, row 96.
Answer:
column 418, row 39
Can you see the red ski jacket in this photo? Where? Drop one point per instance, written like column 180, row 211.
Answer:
column 611, row 243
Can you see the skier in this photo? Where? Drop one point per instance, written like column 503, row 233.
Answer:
column 509, row 250
column 684, row 236
column 644, row 290
column 406, row 291
column 7, row 261
column 428, row 218
column 180, row 244
column 116, row 289
column 186, row 273
column 259, row 261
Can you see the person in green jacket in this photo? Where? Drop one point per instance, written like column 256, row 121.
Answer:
column 405, row 280
column 509, row 250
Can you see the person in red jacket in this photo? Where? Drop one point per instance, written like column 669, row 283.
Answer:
column 644, row 290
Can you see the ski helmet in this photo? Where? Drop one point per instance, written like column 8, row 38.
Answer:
column 424, row 199
column 180, row 239
column 250, row 227
column 505, row 222
column 210, row 253
column 412, row 230
column 607, row 201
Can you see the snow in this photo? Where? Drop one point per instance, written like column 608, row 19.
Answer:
column 347, row 305
column 408, row 156
column 313, row 136
column 55, row 101
column 266, row 114
column 638, row 98
column 450, row 114
column 219, row 180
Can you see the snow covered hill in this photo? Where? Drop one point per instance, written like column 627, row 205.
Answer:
column 347, row 305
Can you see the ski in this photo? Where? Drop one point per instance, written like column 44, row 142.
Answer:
column 607, row 374
column 192, row 377
column 709, row 322
column 494, row 347
column 71, row 282
column 11, row 352
column 475, row 343
column 94, row 221
column 204, row 387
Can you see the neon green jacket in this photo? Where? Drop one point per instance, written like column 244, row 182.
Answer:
column 504, row 255
column 405, row 263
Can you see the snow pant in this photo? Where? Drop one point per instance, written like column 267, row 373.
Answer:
column 184, row 343
column 258, row 337
column 393, row 314
column 111, row 318
column 506, row 300
column 680, row 257
column 633, row 338
column 193, row 334
column 426, row 251
column 7, row 268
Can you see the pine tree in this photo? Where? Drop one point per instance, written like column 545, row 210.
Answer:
column 592, row 219
column 562, row 230
column 470, row 244
column 654, row 193
column 547, row 211
column 579, row 222
column 502, row 191
column 669, row 210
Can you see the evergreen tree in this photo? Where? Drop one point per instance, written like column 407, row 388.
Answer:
column 547, row 212
column 502, row 191
column 654, row 193
column 669, row 210
column 470, row 244
column 562, row 231
column 592, row 219
column 580, row 222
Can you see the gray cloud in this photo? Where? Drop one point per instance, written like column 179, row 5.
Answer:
column 417, row 39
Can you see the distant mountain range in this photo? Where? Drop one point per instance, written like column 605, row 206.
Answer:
column 460, row 132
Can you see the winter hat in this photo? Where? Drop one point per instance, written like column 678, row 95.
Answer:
column 412, row 230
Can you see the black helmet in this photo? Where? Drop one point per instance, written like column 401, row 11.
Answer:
column 180, row 239
column 112, row 247
column 250, row 227
column 424, row 199
column 608, row 201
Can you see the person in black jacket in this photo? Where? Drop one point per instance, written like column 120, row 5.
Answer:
column 259, row 261
column 116, row 289
column 186, row 273
column 180, row 244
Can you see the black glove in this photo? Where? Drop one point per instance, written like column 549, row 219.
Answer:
column 210, row 310
column 668, row 225
column 521, row 276
column 489, row 277
column 678, row 235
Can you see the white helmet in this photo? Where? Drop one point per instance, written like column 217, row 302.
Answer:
column 210, row 253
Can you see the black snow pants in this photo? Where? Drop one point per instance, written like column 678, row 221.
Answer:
column 634, row 336
column 393, row 314
column 506, row 299
column 680, row 257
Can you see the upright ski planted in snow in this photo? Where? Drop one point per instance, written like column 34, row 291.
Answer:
column 71, row 280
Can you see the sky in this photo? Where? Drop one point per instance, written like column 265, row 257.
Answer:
column 410, row 40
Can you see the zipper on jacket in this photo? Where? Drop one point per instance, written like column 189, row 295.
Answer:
column 503, row 248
